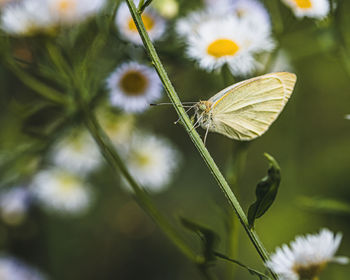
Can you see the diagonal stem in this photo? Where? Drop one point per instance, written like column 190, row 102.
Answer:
column 194, row 135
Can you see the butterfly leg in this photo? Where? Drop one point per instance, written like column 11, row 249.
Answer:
column 206, row 134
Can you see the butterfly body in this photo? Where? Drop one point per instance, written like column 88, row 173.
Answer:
column 246, row 110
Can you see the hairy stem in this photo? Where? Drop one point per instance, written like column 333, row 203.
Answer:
column 194, row 135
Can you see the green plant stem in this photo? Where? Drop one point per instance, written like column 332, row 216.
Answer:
column 113, row 158
column 194, row 135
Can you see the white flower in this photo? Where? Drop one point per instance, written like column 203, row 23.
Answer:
column 228, row 41
column 72, row 11
column 155, row 25
column 117, row 127
column 254, row 13
column 26, row 17
column 76, row 152
column 61, row 191
column 151, row 161
column 14, row 203
column 347, row 117
column 14, row 269
column 309, row 8
column 307, row 256
column 133, row 86
column 166, row 8
column 251, row 11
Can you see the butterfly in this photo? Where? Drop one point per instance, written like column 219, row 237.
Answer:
column 245, row 110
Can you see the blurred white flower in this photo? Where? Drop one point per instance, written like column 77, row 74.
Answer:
column 347, row 117
column 118, row 127
column 60, row 191
column 72, row 11
column 252, row 12
column 166, row 8
column 309, row 8
column 76, row 152
column 151, row 160
column 155, row 25
column 27, row 17
column 133, row 86
column 307, row 256
column 228, row 41
column 14, row 269
column 14, row 203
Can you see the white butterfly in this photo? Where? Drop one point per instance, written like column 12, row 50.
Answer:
column 246, row 110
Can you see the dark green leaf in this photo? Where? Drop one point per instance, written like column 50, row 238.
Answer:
column 208, row 237
column 266, row 191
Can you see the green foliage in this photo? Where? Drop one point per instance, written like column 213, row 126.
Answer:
column 266, row 191
column 324, row 205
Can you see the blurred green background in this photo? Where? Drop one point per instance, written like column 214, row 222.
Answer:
column 116, row 239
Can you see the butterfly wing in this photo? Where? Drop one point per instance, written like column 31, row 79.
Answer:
column 246, row 110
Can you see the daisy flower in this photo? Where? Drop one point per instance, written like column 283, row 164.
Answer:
column 133, row 86
column 72, row 11
column 61, row 191
column 228, row 41
column 117, row 127
column 309, row 8
column 166, row 8
column 306, row 256
column 14, row 269
column 151, row 161
column 155, row 25
column 14, row 203
column 76, row 152
column 254, row 13
column 27, row 17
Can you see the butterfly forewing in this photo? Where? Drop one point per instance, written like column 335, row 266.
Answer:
column 245, row 110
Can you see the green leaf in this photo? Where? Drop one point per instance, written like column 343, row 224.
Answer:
column 266, row 191
column 252, row 271
column 325, row 205
column 208, row 237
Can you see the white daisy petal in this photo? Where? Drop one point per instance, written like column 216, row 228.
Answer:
column 14, row 269
column 229, row 41
column 133, row 86
column 25, row 18
column 14, row 203
column 77, row 152
column 151, row 161
column 154, row 24
column 72, row 11
column 309, row 8
column 60, row 191
column 307, row 256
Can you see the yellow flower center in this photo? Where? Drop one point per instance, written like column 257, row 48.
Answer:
column 147, row 20
column 222, row 47
column 133, row 83
column 143, row 159
column 65, row 6
column 68, row 183
column 303, row 4
column 310, row 271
